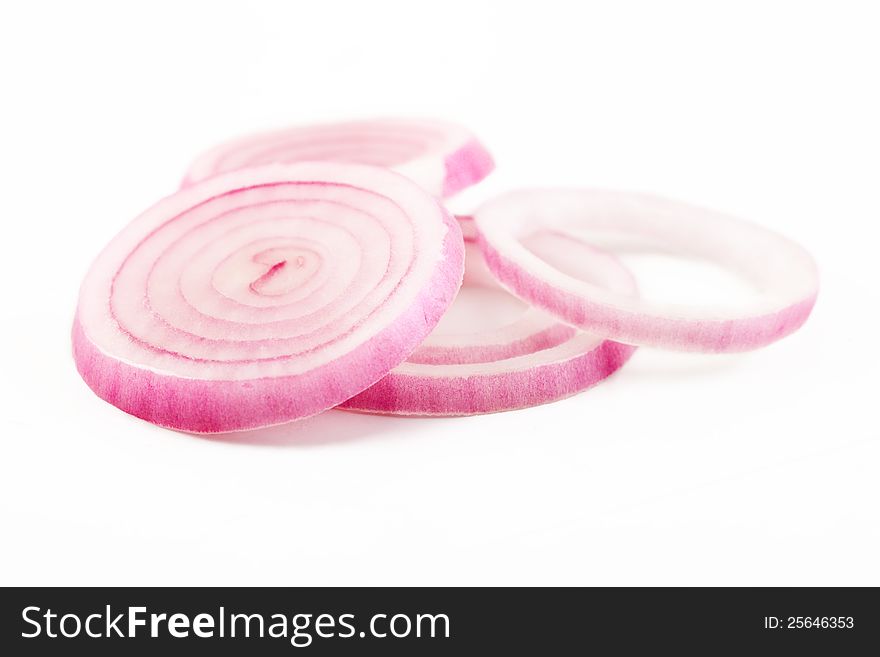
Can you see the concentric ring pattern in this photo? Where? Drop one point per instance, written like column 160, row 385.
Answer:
column 265, row 295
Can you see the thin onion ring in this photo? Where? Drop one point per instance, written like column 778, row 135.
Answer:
column 784, row 274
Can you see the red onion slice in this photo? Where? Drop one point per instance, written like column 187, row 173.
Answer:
column 442, row 158
column 531, row 360
column 784, row 275
column 265, row 295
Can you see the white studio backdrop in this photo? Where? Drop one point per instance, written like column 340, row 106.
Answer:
column 758, row 468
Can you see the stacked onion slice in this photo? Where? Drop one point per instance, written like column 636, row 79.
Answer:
column 308, row 268
column 265, row 295
column 443, row 158
column 531, row 360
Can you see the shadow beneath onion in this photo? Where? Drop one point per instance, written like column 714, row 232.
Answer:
column 328, row 428
column 651, row 364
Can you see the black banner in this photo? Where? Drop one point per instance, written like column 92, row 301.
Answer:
column 277, row 621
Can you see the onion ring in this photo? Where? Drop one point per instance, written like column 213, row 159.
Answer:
column 442, row 158
column 784, row 274
column 265, row 295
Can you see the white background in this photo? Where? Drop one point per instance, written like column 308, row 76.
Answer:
column 761, row 468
